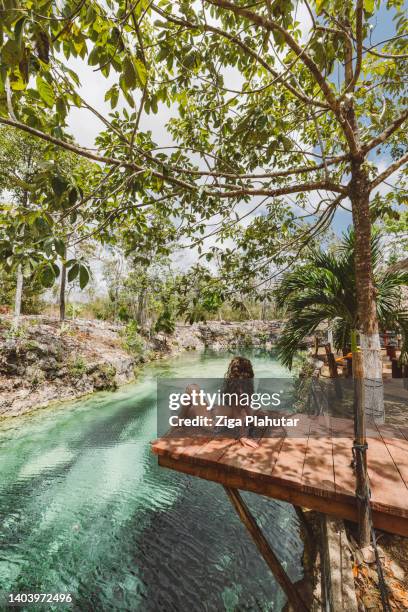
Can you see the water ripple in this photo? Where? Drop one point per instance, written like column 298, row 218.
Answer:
column 84, row 508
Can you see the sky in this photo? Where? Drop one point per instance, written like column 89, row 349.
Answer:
column 85, row 126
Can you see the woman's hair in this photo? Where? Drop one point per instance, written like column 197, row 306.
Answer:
column 239, row 379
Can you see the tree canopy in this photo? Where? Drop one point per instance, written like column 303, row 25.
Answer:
column 280, row 114
column 303, row 104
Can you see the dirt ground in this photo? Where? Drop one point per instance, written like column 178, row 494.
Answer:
column 393, row 552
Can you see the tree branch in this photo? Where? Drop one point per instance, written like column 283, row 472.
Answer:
column 325, row 88
column 297, row 188
column 390, row 170
column 359, row 43
column 386, row 133
column 244, row 47
column 276, row 174
column 89, row 155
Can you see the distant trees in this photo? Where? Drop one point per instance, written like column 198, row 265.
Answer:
column 40, row 187
column 32, row 297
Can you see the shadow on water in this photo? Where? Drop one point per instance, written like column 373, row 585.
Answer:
column 85, row 509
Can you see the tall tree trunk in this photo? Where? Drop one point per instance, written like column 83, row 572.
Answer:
column 141, row 306
column 63, row 285
column 367, row 365
column 18, row 296
column 366, row 297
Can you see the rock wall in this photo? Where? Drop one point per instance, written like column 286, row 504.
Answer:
column 44, row 362
column 222, row 334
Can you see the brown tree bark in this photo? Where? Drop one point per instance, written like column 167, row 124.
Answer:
column 63, row 284
column 366, row 295
column 367, row 366
column 18, row 296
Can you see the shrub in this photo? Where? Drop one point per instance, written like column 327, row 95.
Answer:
column 132, row 340
column 165, row 323
column 77, row 367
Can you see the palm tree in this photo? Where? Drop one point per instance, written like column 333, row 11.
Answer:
column 324, row 288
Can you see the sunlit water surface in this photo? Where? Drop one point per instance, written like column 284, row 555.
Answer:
column 85, row 509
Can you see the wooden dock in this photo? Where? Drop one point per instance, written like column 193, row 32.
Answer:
column 313, row 471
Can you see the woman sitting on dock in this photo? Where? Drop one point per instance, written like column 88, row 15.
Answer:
column 238, row 387
column 239, row 381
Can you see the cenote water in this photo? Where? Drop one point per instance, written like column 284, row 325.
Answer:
column 85, row 509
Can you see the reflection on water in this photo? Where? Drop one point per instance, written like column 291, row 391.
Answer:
column 85, row 509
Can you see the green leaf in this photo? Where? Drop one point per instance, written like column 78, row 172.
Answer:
column 11, row 53
column 83, row 276
column 141, row 72
column 163, row 53
column 46, row 92
column 59, row 185
column 94, row 56
column 319, row 5
column 17, row 82
column 129, row 73
column 59, row 247
column 73, row 272
column 47, row 276
column 73, row 196
column 369, row 6
column 56, row 270
column 126, row 93
column 61, row 108
column 113, row 95
column 18, row 31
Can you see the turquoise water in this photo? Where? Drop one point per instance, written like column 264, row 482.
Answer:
column 85, row 509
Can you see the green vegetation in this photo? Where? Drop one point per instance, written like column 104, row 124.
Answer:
column 255, row 171
column 40, row 186
column 132, row 340
column 32, row 301
column 314, row 104
column 77, row 367
column 323, row 288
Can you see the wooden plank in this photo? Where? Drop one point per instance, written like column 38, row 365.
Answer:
column 213, row 450
column 178, row 446
column 297, row 469
column 398, row 449
column 266, row 551
column 318, row 472
column 342, row 444
column 404, row 431
column 254, row 462
column 382, row 520
column 388, row 490
column 288, row 467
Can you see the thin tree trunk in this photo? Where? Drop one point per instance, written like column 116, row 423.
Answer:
column 63, row 285
column 140, row 307
column 331, row 361
column 19, row 295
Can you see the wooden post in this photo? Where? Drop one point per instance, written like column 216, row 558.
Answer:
column 331, row 361
column 316, row 346
column 266, row 551
column 307, row 530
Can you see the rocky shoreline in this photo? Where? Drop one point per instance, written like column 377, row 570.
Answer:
column 46, row 362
